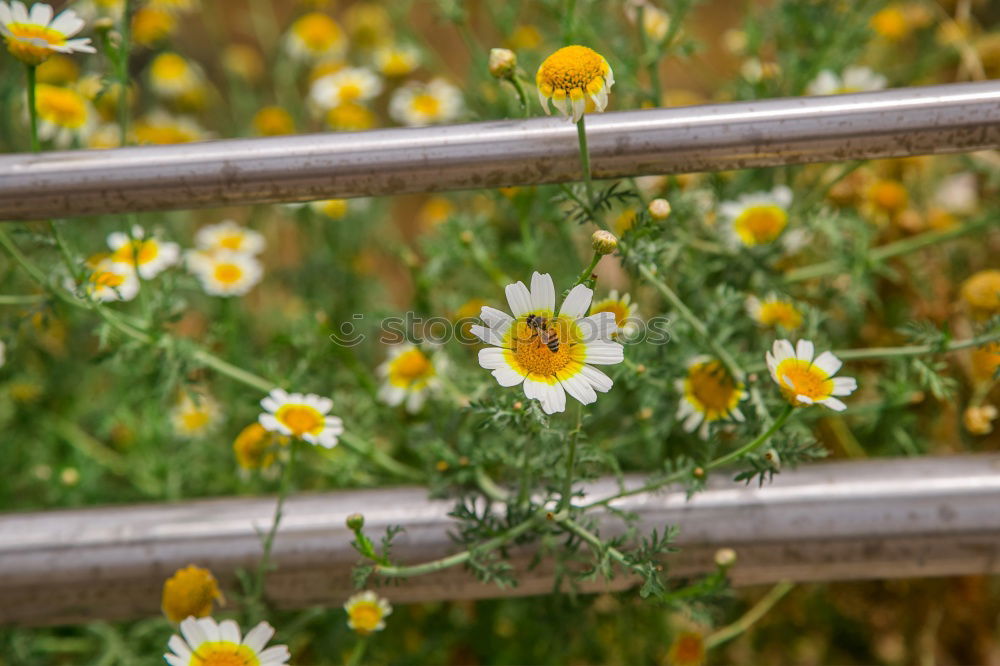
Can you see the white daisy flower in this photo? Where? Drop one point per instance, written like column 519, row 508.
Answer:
column 147, row 254
column 348, row 85
column 224, row 272
column 172, row 75
column 301, row 415
column 577, row 79
column 228, row 235
column 206, row 642
column 408, row 375
column 315, row 36
column 33, row 37
column 774, row 311
column 397, row 60
column 418, row 104
column 625, row 311
column 853, row 79
column 366, row 612
column 757, row 218
column 804, row 380
column 107, row 281
column 194, row 417
column 63, row 115
column 547, row 352
column 708, row 394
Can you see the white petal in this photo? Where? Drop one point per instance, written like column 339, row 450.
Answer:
column 68, row 23
column 544, row 101
column 577, row 301
column 19, row 11
column 174, row 660
column 598, row 327
column 277, row 655
column 41, row 13
column 551, row 396
column 487, row 335
column 834, row 404
column 828, row 363
column 604, row 353
column 508, row 376
column 193, row 632
column 492, row 358
column 782, row 195
column 415, row 401
column 578, row 387
column 210, row 628
column 579, row 105
column 498, row 320
column 782, row 350
column 258, row 637
column 600, row 381
column 392, row 395
column 179, row 647
column 543, row 292
column 804, row 350
column 692, row 421
column 230, row 631
column 519, row 299
column 844, row 385
column 562, row 105
column 804, row 399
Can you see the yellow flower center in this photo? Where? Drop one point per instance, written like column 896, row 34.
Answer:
column 350, row 116
column 169, row 67
column 397, row 64
column 798, row 377
column 224, row 653
column 888, row 195
column 61, row 106
column 411, row 369
column 365, row 615
column 195, row 420
column 232, row 241
column 572, row 68
column 618, row 308
column 39, row 48
column 780, row 313
column 544, row 348
column 227, row 274
column 982, row 291
column 712, row 387
column 272, row 121
column 317, row 31
column 107, row 279
column 253, row 447
column 163, row 134
column 760, row 224
column 891, row 23
column 138, row 252
column 301, row 419
column 190, row 591
column 151, row 25
column 426, row 104
column 350, row 91
column 334, row 208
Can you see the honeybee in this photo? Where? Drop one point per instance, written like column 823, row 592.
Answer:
column 540, row 325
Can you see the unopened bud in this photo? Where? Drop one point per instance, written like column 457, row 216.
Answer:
column 659, row 209
column 604, row 242
column 466, row 237
column 355, row 522
column 772, row 457
column 502, row 63
column 103, row 24
column 698, row 473
column 725, row 558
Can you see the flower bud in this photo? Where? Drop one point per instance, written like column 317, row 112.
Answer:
column 604, row 242
column 979, row 420
column 502, row 63
column 725, row 558
column 659, row 209
column 355, row 522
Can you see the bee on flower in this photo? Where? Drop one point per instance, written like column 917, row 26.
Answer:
column 409, row 375
column 549, row 353
column 107, row 280
column 366, row 612
column 228, row 235
column 851, row 80
column 576, row 79
column 190, row 592
column 418, row 104
column 149, row 255
column 315, row 36
column 805, row 380
column 348, row 85
column 774, row 312
column 625, row 311
column 709, row 394
column 397, row 60
column 204, row 641
column 757, row 218
column 64, row 115
column 305, row 416
column 34, row 36
column 194, row 415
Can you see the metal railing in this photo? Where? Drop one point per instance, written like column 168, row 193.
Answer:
column 908, row 121
column 891, row 518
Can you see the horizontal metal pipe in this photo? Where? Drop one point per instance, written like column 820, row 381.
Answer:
column 832, row 521
column 908, row 121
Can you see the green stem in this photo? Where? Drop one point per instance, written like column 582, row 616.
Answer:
column 595, row 542
column 358, row 653
column 521, row 96
column 581, row 135
column 748, row 448
column 386, row 462
column 749, row 618
column 32, row 108
column 22, row 299
column 567, row 491
column 268, row 543
column 588, row 271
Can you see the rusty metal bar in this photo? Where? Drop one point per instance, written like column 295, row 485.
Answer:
column 833, row 521
column 957, row 117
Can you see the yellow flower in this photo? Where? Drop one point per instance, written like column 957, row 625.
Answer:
column 315, row 36
column 350, row 117
column 150, row 26
column 63, row 114
column 190, row 592
column 981, row 292
column 58, row 70
column 418, row 104
column 273, row 121
column 408, row 375
column 774, row 312
column 369, row 24
column 107, row 280
column 709, row 394
column 979, row 420
column 228, row 235
column 688, row 649
column 621, row 306
column 366, row 612
column 805, row 380
column 624, row 220
column 334, row 209
column 194, row 417
column 225, row 272
column 302, row 416
column 171, row 75
column 525, row 37
column 574, row 78
column 254, row 447
column 890, row 22
column 34, row 36
column 243, row 61
column 396, row 61
column 349, row 84
column 758, row 218
column 161, row 128
column 984, row 361
column 148, row 254
column 206, row 642
column 887, row 196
